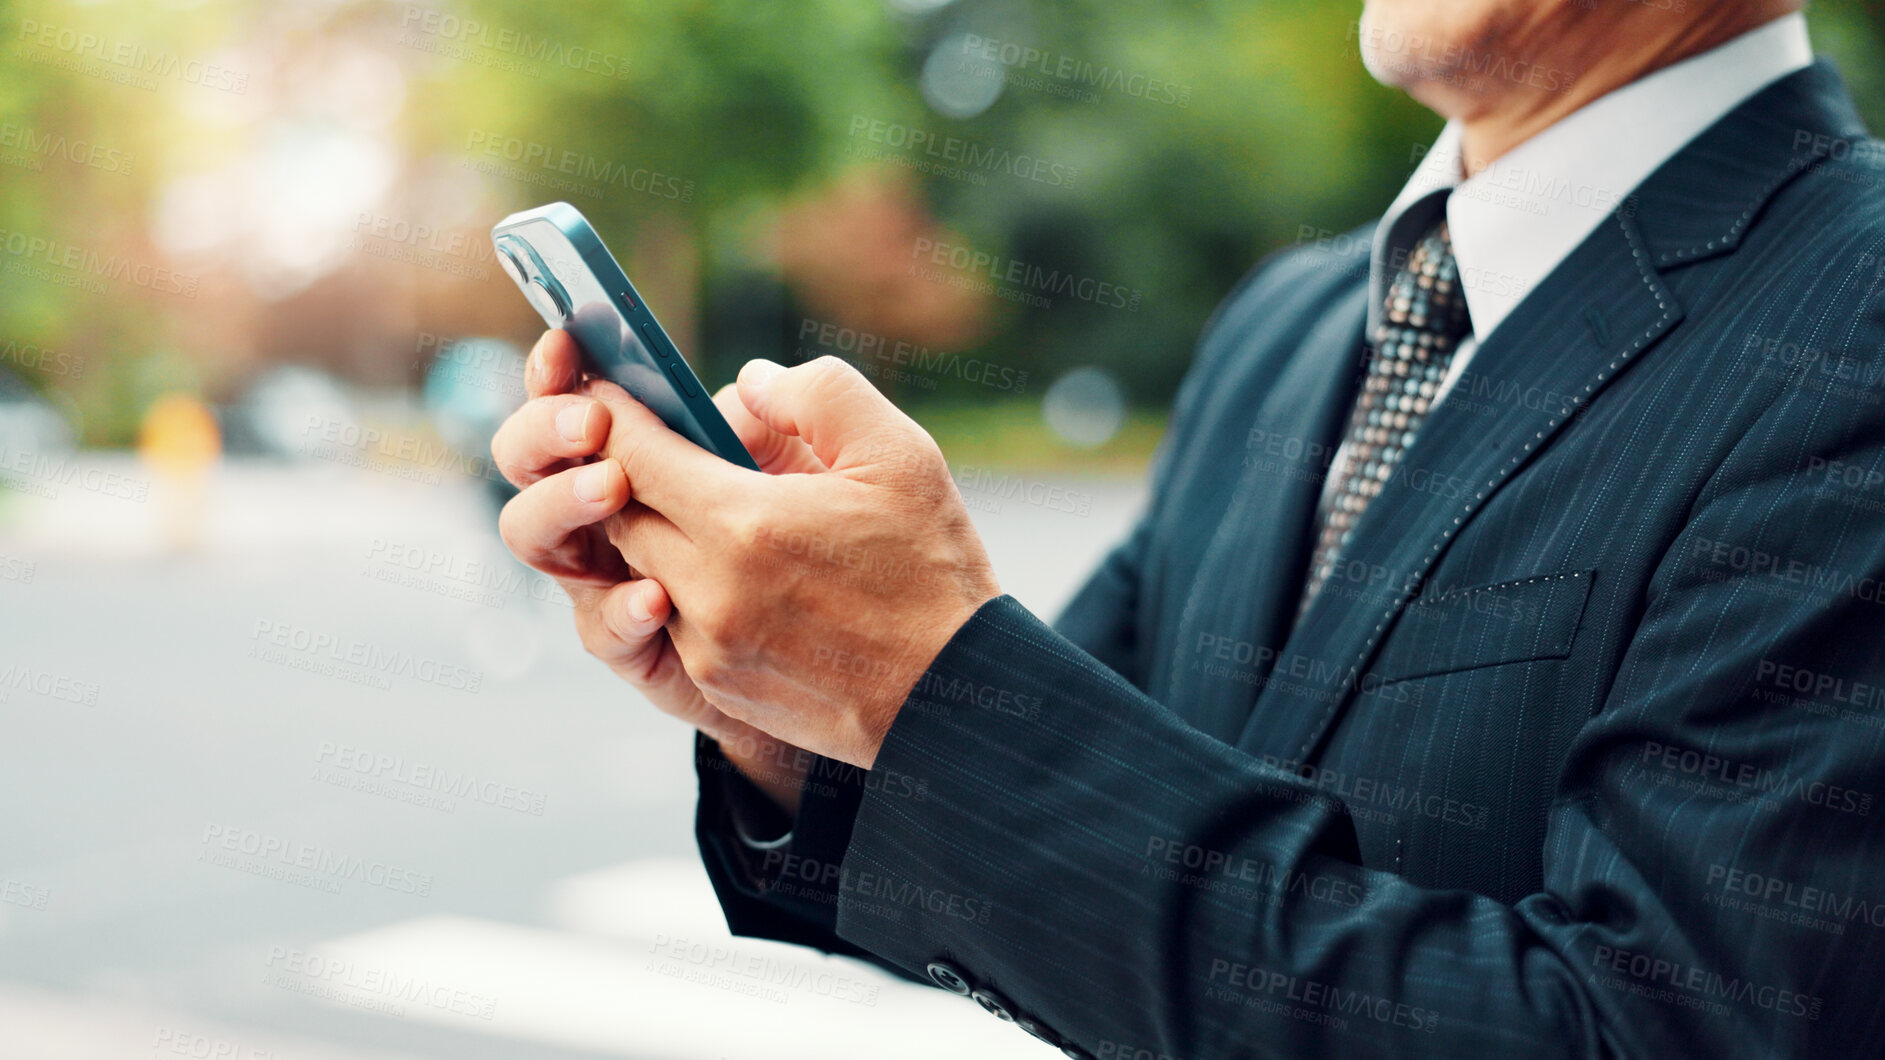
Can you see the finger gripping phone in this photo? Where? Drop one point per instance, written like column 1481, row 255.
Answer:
column 573, row 282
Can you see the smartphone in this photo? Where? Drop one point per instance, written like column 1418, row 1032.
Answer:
column 573, row 282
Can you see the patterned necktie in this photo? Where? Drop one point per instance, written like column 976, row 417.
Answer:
column 1413, row 347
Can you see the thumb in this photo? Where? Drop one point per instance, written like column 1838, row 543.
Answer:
column 827, row 402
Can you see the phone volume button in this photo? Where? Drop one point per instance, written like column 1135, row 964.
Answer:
column 654, row 340
column 683, row 378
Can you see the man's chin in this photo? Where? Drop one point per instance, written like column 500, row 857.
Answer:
column 1391, row 51
column 1429, row 84
column 1434, row 85
column 1392, row 70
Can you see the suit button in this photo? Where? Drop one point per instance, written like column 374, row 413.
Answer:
column 948, row 978
column 994, row 1004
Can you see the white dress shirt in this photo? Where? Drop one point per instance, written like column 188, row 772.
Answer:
column 1518, row 218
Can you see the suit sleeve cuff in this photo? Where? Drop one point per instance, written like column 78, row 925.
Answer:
column 776, row 877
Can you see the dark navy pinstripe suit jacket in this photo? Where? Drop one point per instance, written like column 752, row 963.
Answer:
column 1579, row 754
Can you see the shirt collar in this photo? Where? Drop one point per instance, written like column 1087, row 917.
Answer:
column 1518, row 218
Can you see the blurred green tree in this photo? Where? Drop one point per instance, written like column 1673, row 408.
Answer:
column 1198, row 135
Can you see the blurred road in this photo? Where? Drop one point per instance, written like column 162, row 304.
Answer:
column 339, row 782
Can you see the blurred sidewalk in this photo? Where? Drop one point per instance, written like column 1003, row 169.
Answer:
column 169, row 745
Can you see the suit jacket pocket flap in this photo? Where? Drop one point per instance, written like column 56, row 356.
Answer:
column 1462, row 629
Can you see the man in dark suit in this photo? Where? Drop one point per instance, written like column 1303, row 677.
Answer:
column 1498, row 669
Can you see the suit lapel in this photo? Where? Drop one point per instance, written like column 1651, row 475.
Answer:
column 1251, row 574
column 1592, row 319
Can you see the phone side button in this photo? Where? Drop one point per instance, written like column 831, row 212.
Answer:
column 654, row 340
column 683, row 378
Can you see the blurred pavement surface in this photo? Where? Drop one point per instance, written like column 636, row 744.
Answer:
column 339, row 782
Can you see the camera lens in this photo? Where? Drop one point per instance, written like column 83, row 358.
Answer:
column 547, row 302
column 511, row 266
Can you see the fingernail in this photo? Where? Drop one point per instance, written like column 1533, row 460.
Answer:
column 638, row 606
column 573, row 422
column 591, row 482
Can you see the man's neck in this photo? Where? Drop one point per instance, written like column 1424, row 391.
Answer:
column 1491, row 127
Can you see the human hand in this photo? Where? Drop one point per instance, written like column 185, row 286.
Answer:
column 554, row 525
column 805, row 604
